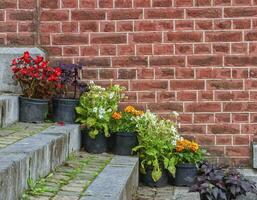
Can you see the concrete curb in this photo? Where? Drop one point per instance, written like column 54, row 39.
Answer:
column 118, row 181
column 35, row 157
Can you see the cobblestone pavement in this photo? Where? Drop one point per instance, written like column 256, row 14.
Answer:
column 165, row 193
column 70, row 180
column 19, row 131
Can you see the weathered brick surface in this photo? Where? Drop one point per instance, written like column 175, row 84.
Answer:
column 194, row 56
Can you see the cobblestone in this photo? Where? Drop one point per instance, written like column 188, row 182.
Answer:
column 71, row 179
column 18, row 131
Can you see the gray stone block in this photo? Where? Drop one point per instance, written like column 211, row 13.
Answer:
column 9, row 110
column 118, row 181
column 7, row 54
column 254, row 155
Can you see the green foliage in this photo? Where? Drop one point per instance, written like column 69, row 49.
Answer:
column 96, row 107
column 191, row 157
column 157, row 140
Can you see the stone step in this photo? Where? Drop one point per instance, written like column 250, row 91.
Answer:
column 34, row 157
column 9, row 110
column 118, row 181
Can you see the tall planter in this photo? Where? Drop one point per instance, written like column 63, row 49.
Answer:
column 147, row 179
column 184, row 172
column 64, row 110
column 94, row 145
column 124, row 143
column 33, row 110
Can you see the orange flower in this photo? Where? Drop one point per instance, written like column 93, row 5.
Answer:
column 138, row 112
column 179, row 148
column 194, row 146
column 116, row 115
column 186, row 144
column 130, row 109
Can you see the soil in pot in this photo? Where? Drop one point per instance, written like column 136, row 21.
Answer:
column 185, row 174
column 94, row 145
column 33, row 110
column 64, row 110
column 124, row 143
column 147, row 179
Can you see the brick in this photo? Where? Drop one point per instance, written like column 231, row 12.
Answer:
column 240, row 73
column 222, row 118
column 153, row 25
column 184, row 25
column 166, row 107
column 222, row 24
column 90, row 73
column 203, row 2
column 238, row 151
column 114, row 38
column 223, row 36
column 71, row 27
column 88, row 26
column 183, row 49
column 239, row 48
column 70, row 39
column 251, row 36
column 164, row 73
column 165, row 96
column 203, row 107
column 192, row 129
column 222, row 2
column 204, row 13
column 223, row 139
column 146, row 85
column 224, row 129
column 174, row 61
column 240, row 12
column 53, row 51
column 146, row 37
column 108, row 50
column 241, row 2
column 44, row 39
column 202, row 61
column 213, row 73
column 220, row 48
column 127, row 74
column 202, row 48
column 203, row 118
column 107, row 27
column 26, row 27
column 89, row 51
column 106, row 3
column 130, row 97
column 241, row 24
column 163, row 49
column 69, row 4
column 186, row 96
column 95, row 62
column 250, row 84
column 2, row 15
column 130, row 61
column 162, row 3
column 6, row 4
column 26, row 4
column 54, row 15
column 21, row 39
column 71, row 51
column 142, row 3
column 123, row 3
column 186, row 85
column 240, row 61
column 126, row 50
column 249, row 129
column 148, row 97
column 184, row 73
column 89, row 3
column 125, row 14
column 184, row 37
column 224, row 84
column 216, row 150
column 253, row 117
column 205, row 95
column 205, row 139
column 87, row 15
column 203, row 25
column 167, row 13
column 124, row 26
column 240, row 117
column 107, row 73
column 145, row 49
column 183, row 3
column 8, row 27
column 19, row 15
column 145, row 73
column 50, row 27
column 50, row 4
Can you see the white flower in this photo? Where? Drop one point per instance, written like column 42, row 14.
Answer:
column 111, row 95
column 109, row 110
column 101, row 111
column 95, row 109
column 175, row 113
column 91, row 82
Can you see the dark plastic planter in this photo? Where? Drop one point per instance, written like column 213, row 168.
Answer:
column 147, row 179
column 97, row 145
column 110, row 143
column 33, row 110
column 124, row 143
column 184, row 172
column 64, row 110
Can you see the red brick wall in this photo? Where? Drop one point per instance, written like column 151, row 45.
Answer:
column 197, row 57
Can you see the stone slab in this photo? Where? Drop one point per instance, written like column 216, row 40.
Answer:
column 34, row 157
column 9, row 109
column 7, row 54
column 254, row 149
column 118, row 181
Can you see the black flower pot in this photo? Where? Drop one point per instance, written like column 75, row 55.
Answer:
column 124, row 143
column 94, row 145
column 33, row 110
column 64, row 110
column 185, row 175
column 110, row 143
column 147, row 179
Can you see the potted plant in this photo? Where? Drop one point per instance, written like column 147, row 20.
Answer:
column 68, row 95
column 157, row 138
column 218, row 183
column 123, row 129
column 94, row 113
column 38, row 82
column 188, row 156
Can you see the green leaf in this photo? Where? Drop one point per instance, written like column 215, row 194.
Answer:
column 90, row 121
column 93, row 133
column 156, row 174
